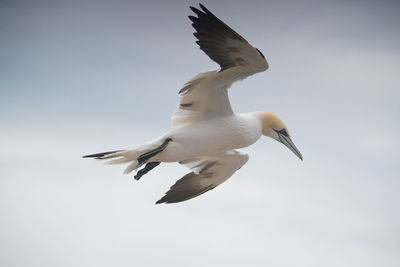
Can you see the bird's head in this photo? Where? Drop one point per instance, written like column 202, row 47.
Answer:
column 274, row 127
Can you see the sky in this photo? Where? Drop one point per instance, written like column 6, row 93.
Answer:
column 84, row 76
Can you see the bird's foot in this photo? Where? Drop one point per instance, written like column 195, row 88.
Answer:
column 149, row 166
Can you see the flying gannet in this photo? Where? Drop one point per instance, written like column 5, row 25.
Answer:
column 205, row 131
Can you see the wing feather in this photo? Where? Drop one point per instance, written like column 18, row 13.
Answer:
column 207, row 173
column 199, row 100
column 222, row 44
column 206, row 95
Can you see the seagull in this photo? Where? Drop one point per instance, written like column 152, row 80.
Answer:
column 205, row 132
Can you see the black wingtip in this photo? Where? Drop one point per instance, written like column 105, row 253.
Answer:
column 193, row 18
column 165, row 200
column 193, row 9
column 160, row 201
column 204, row 8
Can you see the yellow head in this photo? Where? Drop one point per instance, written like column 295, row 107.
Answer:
column 274, row 127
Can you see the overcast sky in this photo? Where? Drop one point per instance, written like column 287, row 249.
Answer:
column 79, row 77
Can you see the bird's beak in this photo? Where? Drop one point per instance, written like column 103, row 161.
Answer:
column 289, row 143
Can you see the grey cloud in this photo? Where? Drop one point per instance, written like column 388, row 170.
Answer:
column 77, row 77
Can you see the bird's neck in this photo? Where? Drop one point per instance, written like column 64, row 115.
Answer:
column 266, row 119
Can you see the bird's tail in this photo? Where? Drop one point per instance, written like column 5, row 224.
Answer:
column 135, row 157
column 119, row 157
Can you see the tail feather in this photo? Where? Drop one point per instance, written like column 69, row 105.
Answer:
column 101, row 155
column 117, row 161
column 131, row 167
column 135, row 157
column 119, row 157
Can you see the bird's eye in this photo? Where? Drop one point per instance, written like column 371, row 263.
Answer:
column 284, row 132
column 260, row 53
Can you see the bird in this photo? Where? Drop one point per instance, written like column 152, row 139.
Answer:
column 205, row 132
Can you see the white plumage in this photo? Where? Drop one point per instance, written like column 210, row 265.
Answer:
column 205, row 131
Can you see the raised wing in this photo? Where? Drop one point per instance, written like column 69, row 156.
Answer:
column 207, row 173
column 206, row 95
column 223, row 45
column 201, row 98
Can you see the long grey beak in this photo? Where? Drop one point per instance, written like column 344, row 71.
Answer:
column 289, row 143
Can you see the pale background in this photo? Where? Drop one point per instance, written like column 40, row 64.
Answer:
column 79, row 77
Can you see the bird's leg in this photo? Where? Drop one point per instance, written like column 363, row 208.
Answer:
column 146, row 156
column 149, row 166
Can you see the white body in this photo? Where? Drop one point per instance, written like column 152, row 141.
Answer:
column 209, row 137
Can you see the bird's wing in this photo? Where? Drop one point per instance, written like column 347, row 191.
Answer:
column 202, row 98
column 206, row 95
column 222, row 44
column 207, row 173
